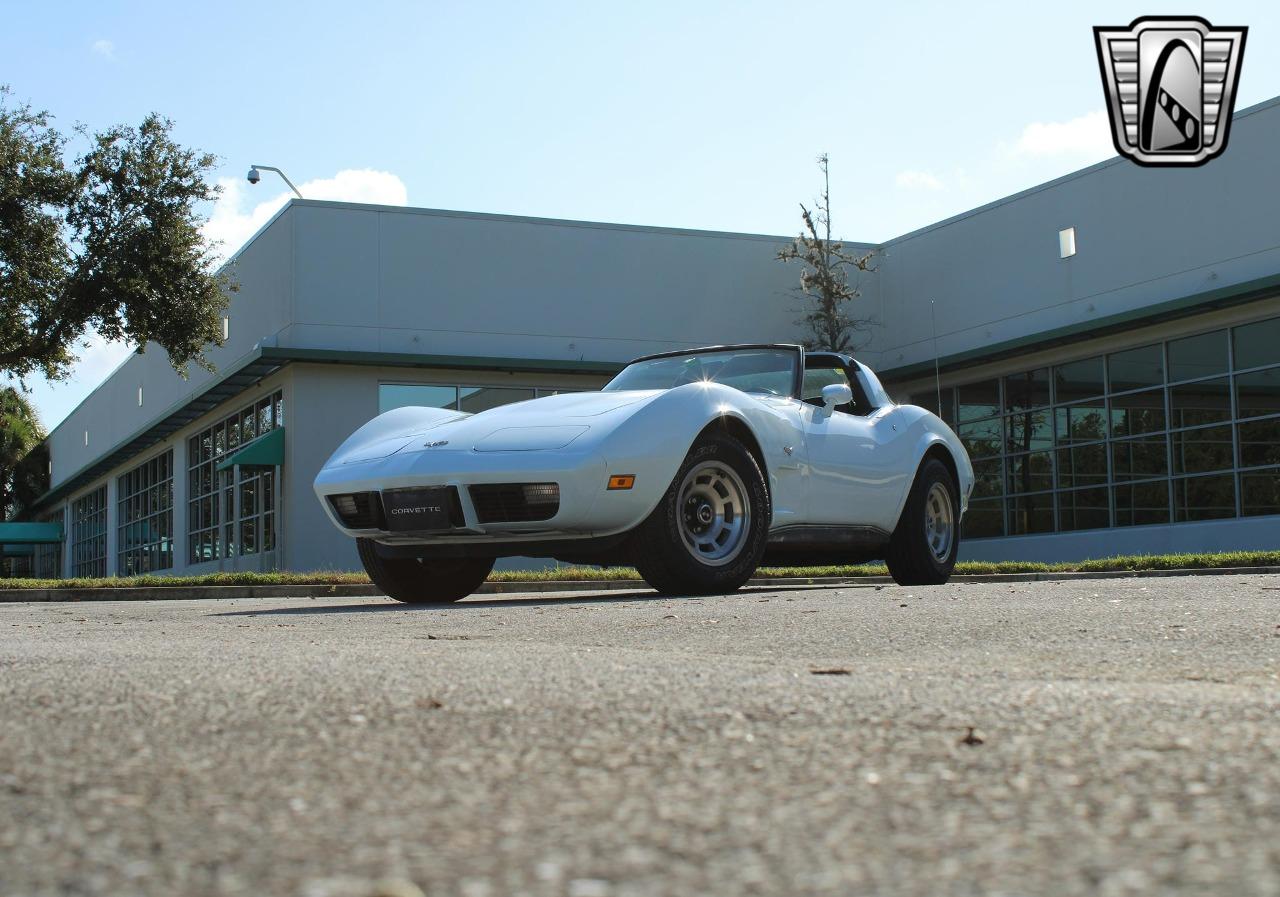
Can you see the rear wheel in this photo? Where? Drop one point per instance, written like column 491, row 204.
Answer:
column 709, row 531
column 922, row 550
column 418, row 581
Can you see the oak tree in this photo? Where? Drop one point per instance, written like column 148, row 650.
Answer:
column 107, row 240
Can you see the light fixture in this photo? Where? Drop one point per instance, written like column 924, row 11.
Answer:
column 1066, row 243
column 255, row 175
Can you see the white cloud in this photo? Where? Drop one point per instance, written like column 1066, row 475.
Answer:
column 104, row 48
column 236, row 218
column 1086, row 137
column 919, row 180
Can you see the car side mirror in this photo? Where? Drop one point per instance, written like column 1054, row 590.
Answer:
column 834, row 394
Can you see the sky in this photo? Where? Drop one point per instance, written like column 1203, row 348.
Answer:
column 703, row 115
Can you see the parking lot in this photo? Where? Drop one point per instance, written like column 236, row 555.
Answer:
column 1084, row 737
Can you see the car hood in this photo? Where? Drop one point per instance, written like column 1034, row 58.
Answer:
column 551, row 422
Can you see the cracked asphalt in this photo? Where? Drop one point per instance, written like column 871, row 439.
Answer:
column 1125, row 740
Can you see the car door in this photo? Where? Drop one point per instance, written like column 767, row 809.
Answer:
column 855, row 451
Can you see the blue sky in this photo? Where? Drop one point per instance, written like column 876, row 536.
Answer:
column 703, row 115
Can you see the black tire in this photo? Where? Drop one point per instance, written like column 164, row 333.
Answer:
column 658, row 545
column 911, row 557
column 416, row 581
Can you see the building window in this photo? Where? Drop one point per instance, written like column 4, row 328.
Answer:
column 219, row 526
column 1183, row 430
column 472, row 399
column 48, row 557
column 89, row 534
column 144, row 517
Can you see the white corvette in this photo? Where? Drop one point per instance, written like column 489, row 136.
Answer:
column 694, row 466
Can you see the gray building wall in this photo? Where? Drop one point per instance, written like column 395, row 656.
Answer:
column 1143, row 236
column 379, row 279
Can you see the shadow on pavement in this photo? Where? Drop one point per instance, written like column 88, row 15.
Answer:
column 378, row 605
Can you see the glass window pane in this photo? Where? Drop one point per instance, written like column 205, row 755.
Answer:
column 481, row 398
column 1204, row 498
column 248, row 536
column 1258, row 393
column 1139, row 459
column 1078, row 380
column 1084, row 465
column 1029, row 390
column 1257, row 344
column 1198, row 356
column 816, row 378
column 981, row 438
column 984, row 518
column 1259, row 442
column 1136, row 368
column 1030, row 514
column 979, row 400
column 988, row 478
column 1030, row 430
column 929, row 400
column 1142, row 503
column 1260, row 492
column 1140, row 412
column 1201, row 451
column 1030, row 473
column 1206, row 402
column 403, row 395
column 1084, row 509
column 1081, row 423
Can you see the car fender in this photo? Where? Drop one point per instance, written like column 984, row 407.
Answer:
column 654, row 441
column 926, row 430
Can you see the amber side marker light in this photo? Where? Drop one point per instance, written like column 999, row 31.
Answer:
column 622, row 481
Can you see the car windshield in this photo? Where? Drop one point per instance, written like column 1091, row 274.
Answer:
column 765, row 371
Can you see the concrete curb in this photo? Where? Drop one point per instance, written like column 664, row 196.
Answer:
column 188, row 593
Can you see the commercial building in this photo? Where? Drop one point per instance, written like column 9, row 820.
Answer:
column 1107, row 345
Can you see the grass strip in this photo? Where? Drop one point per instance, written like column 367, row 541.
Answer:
column 597, row 574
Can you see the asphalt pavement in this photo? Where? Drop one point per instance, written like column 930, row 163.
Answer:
column 1090, row 737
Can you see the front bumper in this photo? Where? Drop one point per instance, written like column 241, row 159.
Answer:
column 586, row 507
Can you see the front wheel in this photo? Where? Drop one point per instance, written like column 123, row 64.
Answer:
column 922, row 550
column 709, row 531
column 418, row 581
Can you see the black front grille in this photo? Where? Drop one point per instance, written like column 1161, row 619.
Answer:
column 515, row 502
column 359, row 510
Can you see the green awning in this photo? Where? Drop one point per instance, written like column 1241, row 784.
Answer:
column 30, row 533
column 265, row 451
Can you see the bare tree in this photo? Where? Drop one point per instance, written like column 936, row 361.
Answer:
column 824, row 282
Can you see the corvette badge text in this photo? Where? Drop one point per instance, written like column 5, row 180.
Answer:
column 1171, row 87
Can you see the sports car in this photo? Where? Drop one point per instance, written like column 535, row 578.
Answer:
column 694, row 466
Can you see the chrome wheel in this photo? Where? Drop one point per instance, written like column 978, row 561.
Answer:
column 714, row 513
column 939, row 522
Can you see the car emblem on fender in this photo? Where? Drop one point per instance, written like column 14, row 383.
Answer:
column 436, row 444
column 1171, row 87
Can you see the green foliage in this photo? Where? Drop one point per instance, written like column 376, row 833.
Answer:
column 824, row 280
column 1134, row 563
column 109, row 241
column 23, row 461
